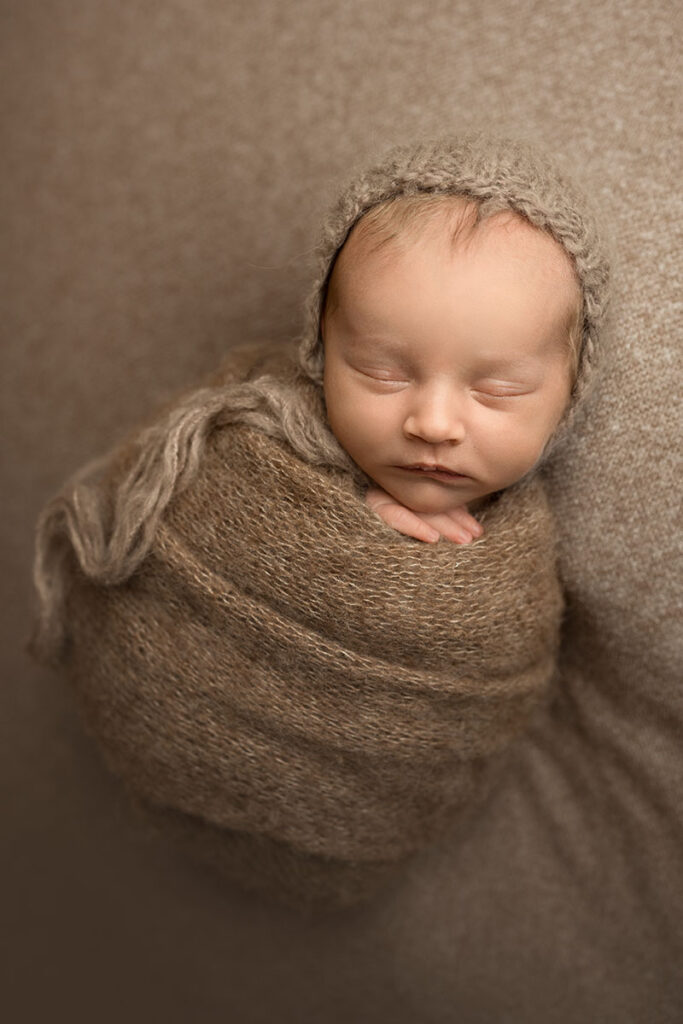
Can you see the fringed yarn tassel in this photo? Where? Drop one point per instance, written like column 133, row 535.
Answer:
column 109, row 546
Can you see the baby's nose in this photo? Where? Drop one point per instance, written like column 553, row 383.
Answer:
column 436, row 422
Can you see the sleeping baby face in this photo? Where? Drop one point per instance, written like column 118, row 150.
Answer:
column 449, row 354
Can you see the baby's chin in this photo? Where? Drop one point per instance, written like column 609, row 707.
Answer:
column 434, row 503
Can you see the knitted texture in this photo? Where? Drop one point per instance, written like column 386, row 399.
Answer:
column 305, row 695
column 504, row 173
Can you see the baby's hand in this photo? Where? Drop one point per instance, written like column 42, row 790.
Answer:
column 456, row 525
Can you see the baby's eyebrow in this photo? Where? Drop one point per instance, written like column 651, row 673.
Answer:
column 501, row 363
column 358, row 339
column 394, row 346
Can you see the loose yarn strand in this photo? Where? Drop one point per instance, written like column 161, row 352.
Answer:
column 76, row 519
column 109, row 544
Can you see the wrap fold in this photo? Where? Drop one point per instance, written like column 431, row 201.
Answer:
column 301, row 695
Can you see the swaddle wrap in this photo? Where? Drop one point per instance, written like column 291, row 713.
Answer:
column 301, row 694
column 312, row 694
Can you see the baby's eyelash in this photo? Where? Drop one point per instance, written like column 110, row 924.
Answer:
column 499, row 393
column 384, row 380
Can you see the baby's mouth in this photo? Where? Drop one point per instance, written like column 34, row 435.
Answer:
column 438, row 472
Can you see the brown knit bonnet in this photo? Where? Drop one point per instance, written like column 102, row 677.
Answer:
column 507, row 173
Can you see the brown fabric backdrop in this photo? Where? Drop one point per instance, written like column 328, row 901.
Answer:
column 165, row 167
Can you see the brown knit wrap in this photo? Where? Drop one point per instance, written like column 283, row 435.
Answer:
column 304, row 695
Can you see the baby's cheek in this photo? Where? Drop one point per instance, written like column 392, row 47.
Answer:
column 520, row 454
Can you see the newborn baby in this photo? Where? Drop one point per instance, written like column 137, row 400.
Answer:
column 451, row 346
column 281, row 675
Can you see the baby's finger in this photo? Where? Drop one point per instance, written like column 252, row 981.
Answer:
column 451, row 529
column 464, row 519
column 376, row 496
column 404, row 521
column 456, row 525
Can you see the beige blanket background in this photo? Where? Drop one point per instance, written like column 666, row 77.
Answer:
column 164, row 169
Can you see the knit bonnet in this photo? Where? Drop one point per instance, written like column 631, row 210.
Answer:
column 507, row 173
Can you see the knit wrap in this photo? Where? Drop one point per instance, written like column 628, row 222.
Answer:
column 305, row 695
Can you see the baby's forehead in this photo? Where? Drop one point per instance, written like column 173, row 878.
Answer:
column 450, row 228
